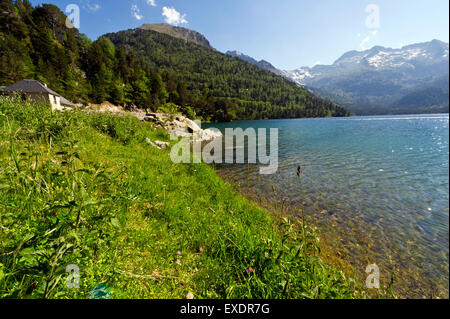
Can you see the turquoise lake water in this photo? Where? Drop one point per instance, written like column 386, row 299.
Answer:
column 378, row 187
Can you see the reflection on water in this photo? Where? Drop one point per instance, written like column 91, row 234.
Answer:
column 378, row 188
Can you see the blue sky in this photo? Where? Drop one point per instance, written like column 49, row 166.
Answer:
column 287, row 33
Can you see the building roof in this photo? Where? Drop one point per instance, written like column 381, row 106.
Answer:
column 33, row 86
column 66, row 102
column 30, row 86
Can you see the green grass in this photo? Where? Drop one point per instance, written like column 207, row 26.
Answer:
column 86, row 189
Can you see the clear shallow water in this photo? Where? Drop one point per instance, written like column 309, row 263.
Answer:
column 378, row 187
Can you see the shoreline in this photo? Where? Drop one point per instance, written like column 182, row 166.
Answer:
column 180, row 230
column 332, row 249
column 180, row 223
column 335, row 252
column 163, row 121
column 330, row 255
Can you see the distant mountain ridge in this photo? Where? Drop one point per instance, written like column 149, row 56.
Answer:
column 220, row 84
column 380, row 79
column 375, row 81
column 263, row 64
column 180, row 33
column 144, row 69
column 434, row 97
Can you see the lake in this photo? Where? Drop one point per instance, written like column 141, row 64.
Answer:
column 376, row 186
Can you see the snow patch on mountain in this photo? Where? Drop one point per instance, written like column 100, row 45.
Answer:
column 379, row 76
column 376, row 59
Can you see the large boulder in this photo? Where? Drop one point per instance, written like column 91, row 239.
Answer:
column 180, row 126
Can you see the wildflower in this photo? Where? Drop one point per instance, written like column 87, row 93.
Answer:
column 178, row 262
column 231, row 212
column 190, row 295
column 200, row 249
column 179, row 253
column 250, row 269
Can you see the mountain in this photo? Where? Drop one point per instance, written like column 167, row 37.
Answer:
column 180, row 33
column 382, row 79
column 145, row 69
column 82, row 70
column 248, row 91
column 431, row 99
column 261, row 64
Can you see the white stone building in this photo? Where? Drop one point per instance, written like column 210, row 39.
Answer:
column 38, row 92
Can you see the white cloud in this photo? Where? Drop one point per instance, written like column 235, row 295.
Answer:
column 172, row 16
column 363, row 42
column 317, row 63
column 151, row 3
column 92, row 7
column 135, row 12
column 367, row 39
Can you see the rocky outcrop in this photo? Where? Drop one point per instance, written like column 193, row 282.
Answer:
column 180, row 33
column 175, row 124
column 180, row 126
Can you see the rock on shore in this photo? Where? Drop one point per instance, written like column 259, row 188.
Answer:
column 180, row 126
column 175, row 124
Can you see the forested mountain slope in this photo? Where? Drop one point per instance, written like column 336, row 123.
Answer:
column 36, row 44
column 143, row 68
column 210, row 74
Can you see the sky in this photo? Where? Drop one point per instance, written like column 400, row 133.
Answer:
column 287, row 33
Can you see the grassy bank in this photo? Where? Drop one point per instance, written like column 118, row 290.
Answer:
column 86, row 189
